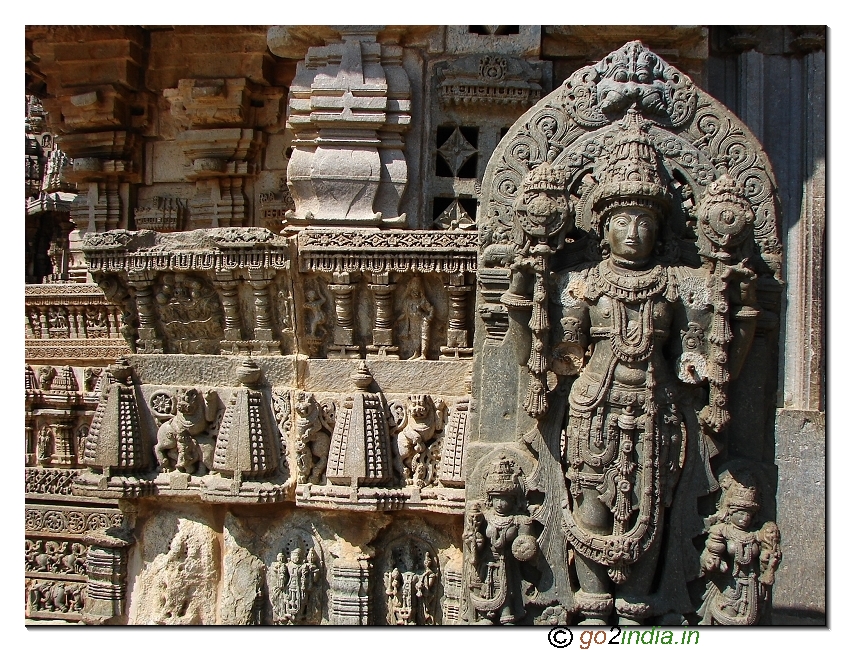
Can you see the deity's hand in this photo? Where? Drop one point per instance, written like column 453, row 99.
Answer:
column 712, row 563
column 741, row 283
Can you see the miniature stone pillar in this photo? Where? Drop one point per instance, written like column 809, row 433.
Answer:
column 457, row 337
column 382, row 333
column 63, row 445
column 343, row 293
column 116, row 444
column 148, row 341
column 349, row 105
column 227, row 289
column 360, row 452
column 106, row 566
column 246, row 446
column 454, row 443
column 263, row 332
column 29, row 433
column 350, row 591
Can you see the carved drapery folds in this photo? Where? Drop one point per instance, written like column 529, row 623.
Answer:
column 628, row 231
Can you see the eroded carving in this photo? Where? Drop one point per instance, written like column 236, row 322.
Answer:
column 411, row 585
column 295, row 581
column 739, row 560
column 190, row 314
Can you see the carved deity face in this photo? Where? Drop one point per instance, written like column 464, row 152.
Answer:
column 741, row 519
column 631, row 232
column 502, row 503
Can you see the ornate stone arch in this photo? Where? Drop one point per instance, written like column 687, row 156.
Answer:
column 698, row 140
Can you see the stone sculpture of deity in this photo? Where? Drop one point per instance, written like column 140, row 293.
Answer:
column 498, row 538
column 740, row 561
column 411, row 588
column 294, row 586
column 626, row 225
column 650, row 325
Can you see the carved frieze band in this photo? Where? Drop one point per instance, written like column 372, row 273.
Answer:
column 424, row 251
column 44, row 480
column 75, row 349
column 64, row 520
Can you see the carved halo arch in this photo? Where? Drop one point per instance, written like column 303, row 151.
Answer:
column 697, row 139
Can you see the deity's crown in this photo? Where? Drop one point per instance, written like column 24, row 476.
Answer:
column 503, row 478
column 741, row 497
column 545, row 178
column 631, row 175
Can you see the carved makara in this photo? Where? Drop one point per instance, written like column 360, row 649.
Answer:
column 177, row 446
column 423, row 419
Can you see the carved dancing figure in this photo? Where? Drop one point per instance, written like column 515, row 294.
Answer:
column 416, row 318
column 658, row 333
column 314, row 308
column 294, row 587
column 497, row 538
column 423, row 419
column 313, row 442
column 176, row 445
column 740, row 562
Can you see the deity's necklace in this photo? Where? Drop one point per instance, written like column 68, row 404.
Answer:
column 630, row 285
column 632, row 342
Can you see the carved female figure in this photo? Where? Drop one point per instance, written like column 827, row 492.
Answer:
column 416, row 318
column 633, row 407
column 497, row 538
column 739, row 561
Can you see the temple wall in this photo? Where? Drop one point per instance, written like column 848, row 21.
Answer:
column 277, row 230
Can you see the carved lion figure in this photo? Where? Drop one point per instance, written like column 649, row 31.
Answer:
column 176, row 447
column 423, row 419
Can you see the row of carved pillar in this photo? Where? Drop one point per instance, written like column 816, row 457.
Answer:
column 416, row 309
